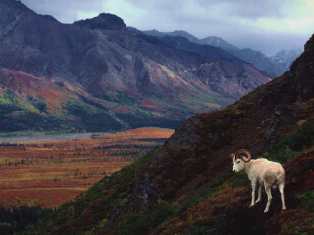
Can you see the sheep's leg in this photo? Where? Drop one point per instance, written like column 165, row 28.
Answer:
column 269, row 197
column 259, row 197
column 253, row 193
column 282, row 193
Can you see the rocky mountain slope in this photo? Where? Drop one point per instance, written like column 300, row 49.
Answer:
column 218, row 42
column 211, row 40
column 284, row 58
column 188, row 187
column 274, row 66
column 110, row 77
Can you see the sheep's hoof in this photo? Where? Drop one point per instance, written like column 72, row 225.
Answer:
column 257, row 201
column 265, row 211
column 251, row 205
column 284, row 208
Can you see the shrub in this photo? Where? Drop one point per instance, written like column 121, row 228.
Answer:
column 293, row 144
column 13, row 220
column 140, row 224
column 307, row 200
column 38, row 104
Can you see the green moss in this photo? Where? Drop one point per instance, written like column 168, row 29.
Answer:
column 307, row 200
column 281, row 153
column 199, row 229
column 294, row 144
column 120, row 97
column 38, row 103
column 102, row 223
column 295, row 229
column 28, row 106
column 10, row 99
column 238, row 180
column 79, row 108
column 204, row 192
column 16, row 219
column 90, row 117
column 141, row 224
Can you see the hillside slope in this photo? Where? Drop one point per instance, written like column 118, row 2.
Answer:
column 130, row 79
column 187, row 186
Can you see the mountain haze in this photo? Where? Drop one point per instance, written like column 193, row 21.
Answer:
column 274, row 65
column 285, row 58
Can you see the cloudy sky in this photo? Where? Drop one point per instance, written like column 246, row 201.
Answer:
column 266, row 25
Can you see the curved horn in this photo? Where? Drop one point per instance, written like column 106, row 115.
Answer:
column 243, row 154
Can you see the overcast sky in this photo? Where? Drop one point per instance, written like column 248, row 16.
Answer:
column 266, row 25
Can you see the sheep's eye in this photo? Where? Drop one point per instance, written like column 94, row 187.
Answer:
column 238, row 161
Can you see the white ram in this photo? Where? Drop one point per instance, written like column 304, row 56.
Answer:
column 261, row 172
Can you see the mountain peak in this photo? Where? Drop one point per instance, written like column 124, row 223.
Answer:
column 218, row 42
column 309, row 46
column 182, row 32
column 13, row 4
column 303, row 72
column 103, row 21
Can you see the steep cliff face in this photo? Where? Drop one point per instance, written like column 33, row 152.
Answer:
column 303, row 71
column 140, row 80
column 187, row 186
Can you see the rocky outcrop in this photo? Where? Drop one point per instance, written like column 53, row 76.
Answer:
column 104, row 21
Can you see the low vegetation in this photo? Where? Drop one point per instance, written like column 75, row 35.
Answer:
column 51, row 170
column 194, row 213
column 17, row 219
column 307, row 200
column 294, row 144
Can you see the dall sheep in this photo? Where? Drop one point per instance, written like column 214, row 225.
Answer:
column 262, row 172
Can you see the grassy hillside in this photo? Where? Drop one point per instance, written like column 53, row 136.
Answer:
column 187, row 186
column 30, row 103
column 209, row 208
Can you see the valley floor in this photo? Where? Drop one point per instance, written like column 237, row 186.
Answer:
column 50, row 170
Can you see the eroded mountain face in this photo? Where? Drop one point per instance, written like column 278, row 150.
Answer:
column 120, row 76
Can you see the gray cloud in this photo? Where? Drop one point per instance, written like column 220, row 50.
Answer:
column 268, row 25
column 64, row 10
column 249, row 8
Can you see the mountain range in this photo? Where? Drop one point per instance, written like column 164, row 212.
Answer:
column 187, row 186
column 97, row 74
column 273, row 65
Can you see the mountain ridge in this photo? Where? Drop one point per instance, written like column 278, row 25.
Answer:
column 123, row 76
column 273, row 65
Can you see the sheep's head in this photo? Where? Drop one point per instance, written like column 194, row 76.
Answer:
column 240, row 158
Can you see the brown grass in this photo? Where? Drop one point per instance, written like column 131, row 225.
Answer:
column 51, row 172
